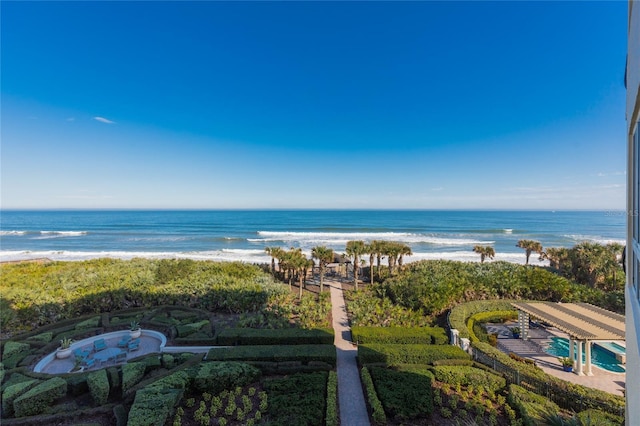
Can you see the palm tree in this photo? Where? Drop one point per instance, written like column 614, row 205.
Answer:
column 405, row 250
column 324, row 256
column 354, row 250
column 274, row 252
column 530, row 246
column 370, row 249
column 484, row 251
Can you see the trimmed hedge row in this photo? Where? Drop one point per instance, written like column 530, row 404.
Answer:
column 132, row 373
column 377, row 412
column 99, row 386
column 397, row 335
column 576, row 396
column 405, row 395
column 408, row 354
column 599, row 418
column 283, row 336
column 459, row 314
column 302, row 353
column 39, row 399
column 532, row 407
column 461, row 375
column 331, row 417
column 13, row 353
column 483, row 317
column 12, row 392
column 214, row 377
column 298, row 399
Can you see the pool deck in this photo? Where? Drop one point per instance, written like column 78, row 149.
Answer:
column 534, row 348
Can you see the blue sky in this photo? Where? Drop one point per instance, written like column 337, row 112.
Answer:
column 408, row 105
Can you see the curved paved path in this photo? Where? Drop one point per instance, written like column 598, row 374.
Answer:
column 353, row 410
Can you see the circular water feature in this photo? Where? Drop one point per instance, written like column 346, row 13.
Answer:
column 559, row 347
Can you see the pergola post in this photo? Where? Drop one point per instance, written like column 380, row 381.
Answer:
column 579, row 360
column 588, row 358
column 523, row 323
column 571, row 351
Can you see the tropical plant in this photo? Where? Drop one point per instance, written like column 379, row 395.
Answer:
column 484, row 252
column 324, row 256
column 66, row 343
column 134, row 326
column 354, row 250
column 529, row 247
column 566, row 361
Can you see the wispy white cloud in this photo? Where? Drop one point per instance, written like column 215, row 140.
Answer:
column 602, row 174
column 71, row 119
column 104, row 120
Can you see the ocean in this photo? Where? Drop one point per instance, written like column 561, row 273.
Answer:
column 225, row 235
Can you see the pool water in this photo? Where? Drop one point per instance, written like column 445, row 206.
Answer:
column 559, row 347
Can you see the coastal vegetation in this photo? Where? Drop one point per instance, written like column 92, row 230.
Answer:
column 279, row 369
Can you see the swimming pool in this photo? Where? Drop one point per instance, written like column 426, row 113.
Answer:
column 600, row 357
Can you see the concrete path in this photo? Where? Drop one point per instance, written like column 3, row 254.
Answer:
column 353, row 410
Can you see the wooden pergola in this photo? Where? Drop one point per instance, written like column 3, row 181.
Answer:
column 583, row 322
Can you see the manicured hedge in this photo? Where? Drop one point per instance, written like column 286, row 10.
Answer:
column 13, row 352
column 12, row 392
column 331, row 418
column 570, row 395
column 483, row 317
column 38, row 399
column 461, row 375
column 152, row 406
column 404, row 395
column 396, row 335
column 302, row 353
column 282, row 336
column 99, row 386
column 408, row 354
column 214, row 377
column 189, row 329
column 92, row 322
column 459, row 314
column 532, row 407
column 377, row 412
column 132, row 373
column 298, row 399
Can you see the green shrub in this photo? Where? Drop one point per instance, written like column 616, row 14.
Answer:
column 14, row 379
column 114, row 377
column 77, row 384
column 152, row 406
column 302, row 353
column 214, row 377
column 12, row 392
column 408, row 354
column 99, row 386
column 92, row 322
column 461, row 375
column 532, row 407
column 43, row 337
column 475, row 329
column 377, row 412
column 132, row 373
column 297, row 400
column 120, row 415
column 396, row 335
column 13, row 352
column 168, row 361
column 331, row 418
column 598, row 418
column 191, row 328
column 38, row 399
column 403, row 394
column 282, row 336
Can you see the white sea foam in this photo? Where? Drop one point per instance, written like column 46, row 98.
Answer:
column 63, row 233
column 12, row 233
column 307, row 239
column 508, row 231
column 241, row 255
column 594, row 239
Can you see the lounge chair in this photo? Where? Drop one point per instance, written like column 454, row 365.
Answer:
column 81, row 353
column 122, row 356
column 124, row 341
column 88, row 362
column 99, row 345
column 134, row 345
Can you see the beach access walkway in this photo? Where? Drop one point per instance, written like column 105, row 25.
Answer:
column 353, row 410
